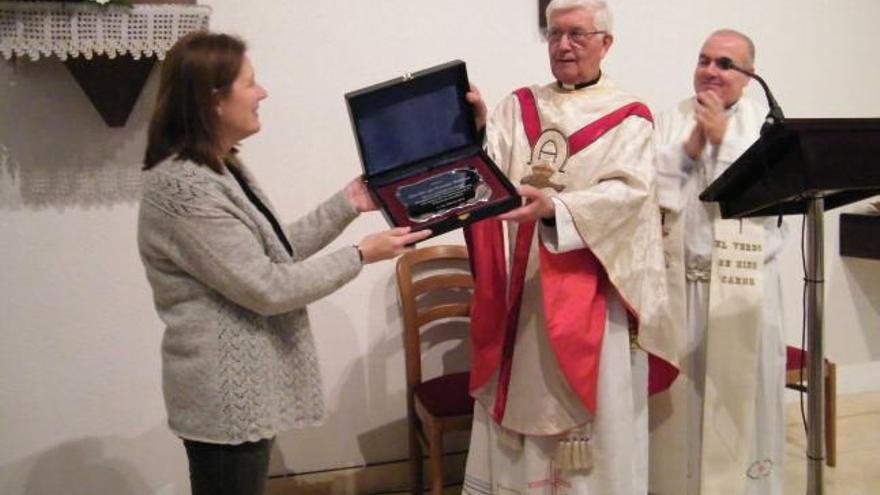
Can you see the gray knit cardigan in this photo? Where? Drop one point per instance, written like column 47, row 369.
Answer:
column 238, row 360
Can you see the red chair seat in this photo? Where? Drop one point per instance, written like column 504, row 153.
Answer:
column 794, row 358
column 446, row 395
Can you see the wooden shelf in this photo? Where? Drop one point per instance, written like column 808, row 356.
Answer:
column 860, row 235
column 110, row 65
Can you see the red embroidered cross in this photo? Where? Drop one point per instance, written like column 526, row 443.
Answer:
column 555, row 481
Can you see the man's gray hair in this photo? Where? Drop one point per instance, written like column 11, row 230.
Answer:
column 748, row 41
column 602, row 19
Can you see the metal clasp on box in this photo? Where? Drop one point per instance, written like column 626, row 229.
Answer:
column 407, row 76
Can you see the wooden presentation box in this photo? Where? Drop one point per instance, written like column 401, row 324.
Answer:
column 422, row 155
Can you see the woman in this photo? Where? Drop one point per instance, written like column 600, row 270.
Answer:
column 229, row 281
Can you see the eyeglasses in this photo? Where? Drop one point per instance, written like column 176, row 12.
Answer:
column 723, row 63
column 575, row 36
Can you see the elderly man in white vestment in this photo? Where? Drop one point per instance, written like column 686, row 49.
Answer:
column 563, row 340
column 719, row 428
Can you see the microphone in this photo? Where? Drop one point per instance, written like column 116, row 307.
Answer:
column 774, row 116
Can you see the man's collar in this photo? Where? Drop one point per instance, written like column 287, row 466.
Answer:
column 581, row 85
column 732, row 108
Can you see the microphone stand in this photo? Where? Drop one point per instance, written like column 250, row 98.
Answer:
column 814, row 264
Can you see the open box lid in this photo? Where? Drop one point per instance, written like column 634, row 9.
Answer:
column 413, row 118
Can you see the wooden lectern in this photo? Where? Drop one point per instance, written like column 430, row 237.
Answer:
column 805, row 166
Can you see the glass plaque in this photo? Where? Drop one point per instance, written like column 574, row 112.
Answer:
column 442, row 194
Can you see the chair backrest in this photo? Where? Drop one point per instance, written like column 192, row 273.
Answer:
column 434, row 283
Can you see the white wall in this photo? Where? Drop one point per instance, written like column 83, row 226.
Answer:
column 80, row 402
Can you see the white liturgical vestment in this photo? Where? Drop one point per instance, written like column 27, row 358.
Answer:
column 604, row 193
column 681, row 464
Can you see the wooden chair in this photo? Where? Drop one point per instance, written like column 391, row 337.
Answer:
column 795, row 359
column 435, row 287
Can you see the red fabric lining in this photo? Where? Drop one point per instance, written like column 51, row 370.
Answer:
column 661, row 374
column 485, row 242
column 575, row 306
column 514, row 303
column 589, row 134
column 529, row 111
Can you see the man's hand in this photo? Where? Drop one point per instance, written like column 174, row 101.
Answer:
column 359, row 197
column 480, row 110
column 710, row 116
column 537, row 206
column 695, row 143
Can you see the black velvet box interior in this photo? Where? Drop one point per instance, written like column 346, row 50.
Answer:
column 417, row 138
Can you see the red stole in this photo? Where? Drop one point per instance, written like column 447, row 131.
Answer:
column 574, row 285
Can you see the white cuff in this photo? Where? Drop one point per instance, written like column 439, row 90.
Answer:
column 672, row 166
column 564, row 237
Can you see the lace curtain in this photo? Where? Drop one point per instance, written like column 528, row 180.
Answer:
column 35, row 29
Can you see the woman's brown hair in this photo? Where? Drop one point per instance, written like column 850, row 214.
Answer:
column 198, row 69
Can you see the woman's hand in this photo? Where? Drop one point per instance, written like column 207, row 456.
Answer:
column 389, row 243
column 359, row 197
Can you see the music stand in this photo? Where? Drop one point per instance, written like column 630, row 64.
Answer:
column 805, row 166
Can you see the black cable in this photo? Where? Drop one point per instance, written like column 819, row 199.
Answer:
column 803, row 353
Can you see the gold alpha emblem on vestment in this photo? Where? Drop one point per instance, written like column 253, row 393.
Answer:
column 548, row 158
